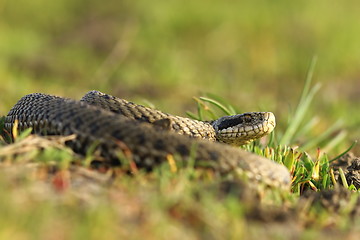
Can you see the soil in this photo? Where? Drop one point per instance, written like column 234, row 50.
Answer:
column 289, row 217
column 350, row 164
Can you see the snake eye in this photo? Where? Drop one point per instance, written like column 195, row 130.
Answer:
column 247, row 118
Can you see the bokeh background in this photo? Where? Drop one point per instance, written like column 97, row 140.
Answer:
column 254, row 54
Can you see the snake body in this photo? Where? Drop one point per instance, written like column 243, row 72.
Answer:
column 148, row 145
column 235, row 130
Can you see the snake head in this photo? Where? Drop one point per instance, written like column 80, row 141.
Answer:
column 243, row 128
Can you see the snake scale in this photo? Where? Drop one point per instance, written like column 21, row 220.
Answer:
column 114, row 125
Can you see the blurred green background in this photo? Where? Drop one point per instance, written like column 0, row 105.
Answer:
column 254, row 54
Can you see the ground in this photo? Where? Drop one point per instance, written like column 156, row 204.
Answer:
column 297, row 59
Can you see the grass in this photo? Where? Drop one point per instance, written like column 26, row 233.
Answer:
column 41, row 190
column 253, row 54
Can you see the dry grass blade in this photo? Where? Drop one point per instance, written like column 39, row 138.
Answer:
column 34, row 142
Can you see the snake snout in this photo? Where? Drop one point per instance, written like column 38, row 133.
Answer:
column 270, row 119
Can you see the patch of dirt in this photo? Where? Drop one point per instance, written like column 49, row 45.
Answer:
column 350, row 164
column 335, row 200
column 290, row 217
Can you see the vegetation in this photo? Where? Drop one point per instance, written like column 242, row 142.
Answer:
column 255, row 55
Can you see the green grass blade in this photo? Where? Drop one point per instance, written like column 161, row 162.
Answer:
column 309, row 125
column 308, row 80
column 217, row 104
column 231, row 109
column 343, row 178
column 23, row 134
column 305, row 100
column 325, row 135
column 345, row 152
column 192, row 115
column 338, row 139
column 204, row 109
column 298, row 116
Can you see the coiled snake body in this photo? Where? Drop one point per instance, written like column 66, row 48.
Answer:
column 111, row 125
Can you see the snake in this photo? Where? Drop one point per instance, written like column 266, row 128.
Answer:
column 149, row 137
